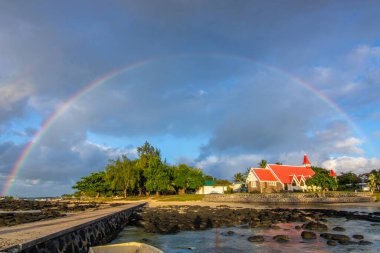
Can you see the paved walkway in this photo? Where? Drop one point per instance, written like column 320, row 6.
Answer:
column 23, row 233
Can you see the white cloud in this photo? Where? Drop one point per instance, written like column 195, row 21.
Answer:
column 350, row 145
column 32, row 182
column 14, row 92
column 363, row 52
column 225, row 166
column 86, row 149
column 354, row 164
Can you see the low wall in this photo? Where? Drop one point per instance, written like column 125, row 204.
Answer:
column 81, row 237
column 329, row 197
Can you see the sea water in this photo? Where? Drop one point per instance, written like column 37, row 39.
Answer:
column 218, row 240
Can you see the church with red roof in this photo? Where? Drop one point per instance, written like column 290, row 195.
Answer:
column 275, row 177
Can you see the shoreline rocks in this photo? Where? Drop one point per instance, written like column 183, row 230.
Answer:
column 317, row 226
column 172, row 219
column 281, row 238
column 308, row 235
column 256, row 238
column 14, row 212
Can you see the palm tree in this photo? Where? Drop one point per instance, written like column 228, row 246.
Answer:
column 239, row 177
column 263, row 164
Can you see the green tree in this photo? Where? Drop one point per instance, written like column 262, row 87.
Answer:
column 376, row 173
column 186, row 177
column 320, row 170
column 322, row 180
column 239, row 178
column 372, row 181
column 263, row 164
column 146, row 152
column 123, row 174
column 348, row 178
column 93, row 185
column 158, row 176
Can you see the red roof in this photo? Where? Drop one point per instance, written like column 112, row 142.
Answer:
column 264, row 174
column 332, row 173
column 285, row 172
column 306, row 160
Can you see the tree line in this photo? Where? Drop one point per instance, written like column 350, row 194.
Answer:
column 142, row 176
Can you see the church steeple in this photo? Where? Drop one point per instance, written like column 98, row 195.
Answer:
column 306, row 161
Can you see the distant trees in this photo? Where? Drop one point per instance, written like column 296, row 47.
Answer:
column 93, row 185
column 348, row 178
column 148, row 173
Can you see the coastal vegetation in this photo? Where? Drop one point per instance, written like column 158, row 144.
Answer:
column 322, row 180
column 147, row 174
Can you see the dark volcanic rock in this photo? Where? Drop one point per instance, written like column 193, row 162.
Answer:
column 308, row 235
column 362, row 242
column 317, row 226
column 339, row 229
column 256, row 238
column 358, row 237
column 331, row 243
column 337, row 237
column 281, row 238
column 229, row 233
column 172, row 219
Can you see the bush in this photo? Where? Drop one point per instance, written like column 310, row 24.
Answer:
column 229, row 190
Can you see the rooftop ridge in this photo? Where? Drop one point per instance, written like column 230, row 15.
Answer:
column 302, row 166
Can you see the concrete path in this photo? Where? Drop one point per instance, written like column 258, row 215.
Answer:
column 32, row 231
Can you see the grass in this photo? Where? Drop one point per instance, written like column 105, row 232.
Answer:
column 377, row 195
column 184, row 197
column 134, row 198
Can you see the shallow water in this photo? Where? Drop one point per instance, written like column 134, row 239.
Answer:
column 216, row 240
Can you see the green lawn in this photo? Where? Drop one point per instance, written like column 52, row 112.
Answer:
column 185, row 197
column 377, row 195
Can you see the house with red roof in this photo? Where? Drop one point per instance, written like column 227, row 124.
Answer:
column 275, row 177
column 263, row 180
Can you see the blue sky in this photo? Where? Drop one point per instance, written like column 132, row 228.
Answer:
column 219, row 88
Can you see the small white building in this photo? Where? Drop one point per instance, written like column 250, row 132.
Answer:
column 210, row 187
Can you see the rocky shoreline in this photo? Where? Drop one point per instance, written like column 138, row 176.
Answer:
column 14, row 212
column 173, row 219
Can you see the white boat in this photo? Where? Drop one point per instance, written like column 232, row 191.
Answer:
column 129, row 247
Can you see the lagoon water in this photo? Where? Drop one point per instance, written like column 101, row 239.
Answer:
column 217, row 240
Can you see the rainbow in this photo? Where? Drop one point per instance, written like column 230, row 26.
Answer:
column 46, row 125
